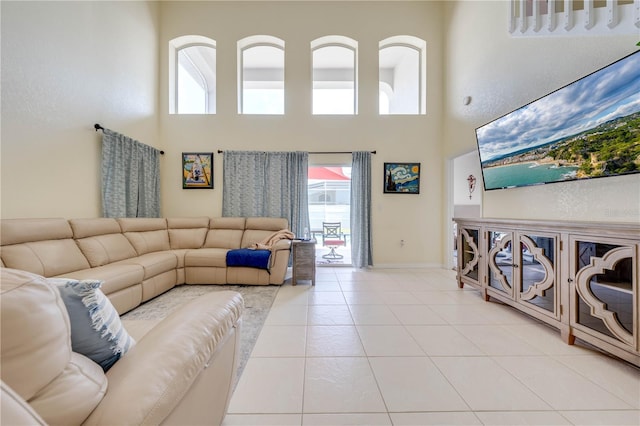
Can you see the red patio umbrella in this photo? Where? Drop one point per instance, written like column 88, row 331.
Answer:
column 327, row 173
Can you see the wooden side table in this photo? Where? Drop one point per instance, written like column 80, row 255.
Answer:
column 304, row 261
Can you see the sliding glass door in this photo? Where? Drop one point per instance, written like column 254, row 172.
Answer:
column 329, row 190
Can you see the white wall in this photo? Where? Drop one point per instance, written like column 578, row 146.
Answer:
column 502, row 73
column 66, row 66
column 463, row 166
column 414, row 218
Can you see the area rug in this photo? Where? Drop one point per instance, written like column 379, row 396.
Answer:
column 257, row 303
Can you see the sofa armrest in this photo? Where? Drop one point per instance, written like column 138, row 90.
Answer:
column 281, row 245
column 149, row 382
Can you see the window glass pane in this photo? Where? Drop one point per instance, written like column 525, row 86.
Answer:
column 334, row 80
column 191, row 94
column 263, row 80
column 196, row 85
column 400, row 71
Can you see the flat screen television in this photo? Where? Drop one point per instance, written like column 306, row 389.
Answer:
column 587, row 129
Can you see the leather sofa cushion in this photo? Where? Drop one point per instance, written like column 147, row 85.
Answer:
column 187, row 233
column 72, row 395
column 115, row 277
column 156, row 375
column 36, row 334
column 42, row 246
column 16, row 231
column 15, row 411
column 90, row 227
column 47, row 258
column 215, row 257
column 146, row 234
column 104, row 249
column 261, row 228
column 225, row 232
column 101, row 241
column 154, row 263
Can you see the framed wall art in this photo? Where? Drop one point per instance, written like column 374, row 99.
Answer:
column 197, row 170
column 401, row 178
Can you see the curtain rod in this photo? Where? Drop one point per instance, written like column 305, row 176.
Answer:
column 321, row 152
column 99, row 127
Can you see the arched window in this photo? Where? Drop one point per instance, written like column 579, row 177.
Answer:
column 402, row 71
column 261, row 75
column 334, row 75
column 192, row 75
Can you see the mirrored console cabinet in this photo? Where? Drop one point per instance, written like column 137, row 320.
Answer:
column 580, row 277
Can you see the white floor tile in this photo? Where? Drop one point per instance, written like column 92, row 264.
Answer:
column 341, row 385
column 269, row 385
column 485, row 386
column 598, row 418
column 414, row 384
column 370, row 419
column 416, row 315
column 546, row 339
column 285, row 314
column 373, row 315
column 364, row 297
column 463, row 314
column 326, row 298
column 618, row 378
column 443, row 340
column 408, row 347
column 435, row 419
column 333, row 341
column 262, row 420
column 560, row 386
column 329, row 315
column 495, row 340
column 388, row 340
column 436, row 297
column 516, row 418
column 281, row 341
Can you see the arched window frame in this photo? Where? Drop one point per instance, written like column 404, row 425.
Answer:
column 420, row 46
column 249, row 43
column 175, row 46
column 338, row 41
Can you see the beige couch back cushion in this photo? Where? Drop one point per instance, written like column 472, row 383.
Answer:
column 41, row 246
column 37, row 361
column 101, row 240
column 187, row 233
column 36, row 334
column 146, row 234
column 225, row 232
column 261, row 228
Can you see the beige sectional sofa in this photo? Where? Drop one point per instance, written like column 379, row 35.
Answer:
column 180, row 371
column 140, row 258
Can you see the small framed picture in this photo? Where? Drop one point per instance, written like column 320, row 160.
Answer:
column 197, row 170
column 401, row 178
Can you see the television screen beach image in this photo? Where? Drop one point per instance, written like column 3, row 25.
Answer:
column 587, row 129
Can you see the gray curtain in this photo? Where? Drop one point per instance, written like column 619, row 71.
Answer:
column 361, row 252
column 270, row 184
column 130, row 177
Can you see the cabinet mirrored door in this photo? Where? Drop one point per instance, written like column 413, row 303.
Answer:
column 606, row 290
column 537, row 272
column 470, row 253
column 501, row 261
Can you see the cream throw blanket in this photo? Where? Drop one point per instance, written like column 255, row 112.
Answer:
column 269, row 242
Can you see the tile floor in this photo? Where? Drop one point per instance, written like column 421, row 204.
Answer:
column 407, row 347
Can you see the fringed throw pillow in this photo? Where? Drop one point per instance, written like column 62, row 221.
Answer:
column 96, row 329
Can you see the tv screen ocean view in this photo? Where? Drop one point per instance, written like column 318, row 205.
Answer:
column 587, row 129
